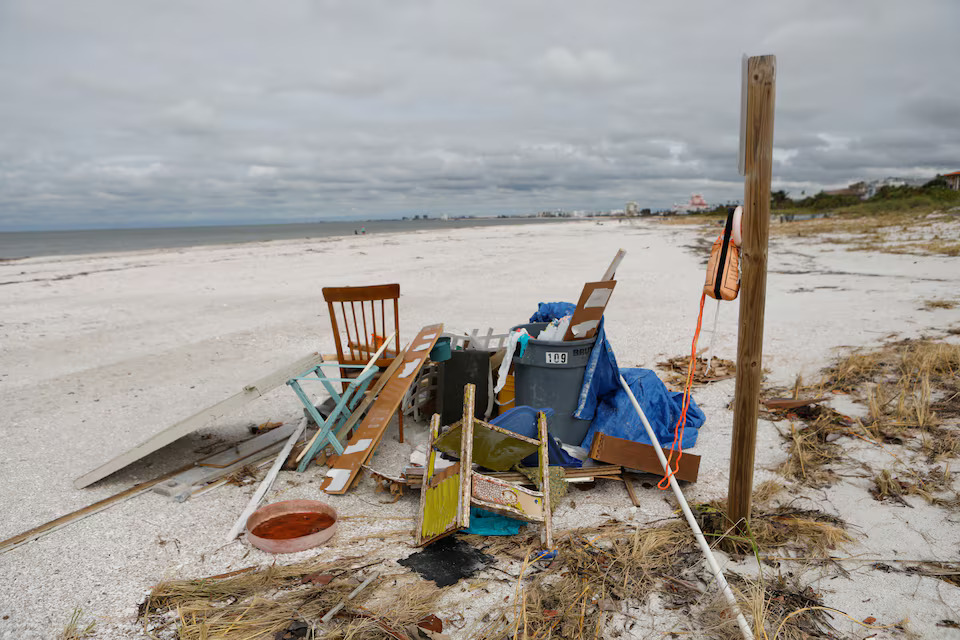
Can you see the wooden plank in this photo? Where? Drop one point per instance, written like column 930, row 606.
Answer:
column 545, row 479
column 224, row 463
column 643, row 457
column 593, row 302
column 612, row 269
column 266, row 483
column 200, row 419
column 361, row 294
column 367, row 437
column 89, row 510
column 758, row 135
column 466, row 454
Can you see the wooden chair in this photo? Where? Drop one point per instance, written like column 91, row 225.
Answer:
column 361, row 317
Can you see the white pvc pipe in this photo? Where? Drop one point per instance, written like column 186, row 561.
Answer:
column 697, row 533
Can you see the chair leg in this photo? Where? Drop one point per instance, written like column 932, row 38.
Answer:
column 400, row 423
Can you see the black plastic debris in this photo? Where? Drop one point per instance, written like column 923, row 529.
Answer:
column 447, row 561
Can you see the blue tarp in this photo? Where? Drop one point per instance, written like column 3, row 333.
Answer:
column 523, row 420
column 615, row 415
column 604, row 402
column 550, row 311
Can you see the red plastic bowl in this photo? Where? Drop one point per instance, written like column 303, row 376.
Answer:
column 291, row 545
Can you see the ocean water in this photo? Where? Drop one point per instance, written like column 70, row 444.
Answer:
column 22, row 244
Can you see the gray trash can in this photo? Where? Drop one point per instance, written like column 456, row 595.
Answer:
column 550, row 374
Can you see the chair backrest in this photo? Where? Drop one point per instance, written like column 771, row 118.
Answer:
column 361, row 318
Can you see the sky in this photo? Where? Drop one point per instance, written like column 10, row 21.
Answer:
column 131, row 113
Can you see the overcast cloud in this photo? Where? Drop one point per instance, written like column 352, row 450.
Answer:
column 128, row 113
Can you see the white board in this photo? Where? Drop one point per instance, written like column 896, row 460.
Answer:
column 200, row 419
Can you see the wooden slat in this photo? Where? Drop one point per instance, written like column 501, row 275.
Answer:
column 466, row 454
column 545, row 479
column 200, row 419
column 636, row 455
column 89, row 510
column 611, row 271
column 371, row 292
column 387, row 403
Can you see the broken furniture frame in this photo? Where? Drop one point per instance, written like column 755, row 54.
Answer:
column 346, row 403
column 446, row 496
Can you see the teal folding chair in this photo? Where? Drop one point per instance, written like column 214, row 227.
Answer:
column 346, row 403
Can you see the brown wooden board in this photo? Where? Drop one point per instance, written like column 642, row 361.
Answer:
column 367, row 437
column 590, row 308
column 636, row 455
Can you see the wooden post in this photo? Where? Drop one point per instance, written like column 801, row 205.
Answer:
column 758, row 133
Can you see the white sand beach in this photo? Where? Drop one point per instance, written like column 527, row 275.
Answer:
column 97, row 353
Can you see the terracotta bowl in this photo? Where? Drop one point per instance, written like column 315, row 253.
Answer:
column 291, row 545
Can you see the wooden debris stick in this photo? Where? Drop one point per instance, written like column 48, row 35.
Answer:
column 758, row 163
column 200, row 419
column 267, row 482
column 785, row 404
column 361, row 409
column 466, row 455
column 353, row 594
column 545, row 480
column 89, row 510
column 612, row 269
column 589, row 311
column 368, row 434
column 628, row 482
column 643, row 457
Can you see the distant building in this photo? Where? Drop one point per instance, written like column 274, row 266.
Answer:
column 866, row 190
column 696, row 205
column 632, row 209
column 953, row 180
column 858, row 189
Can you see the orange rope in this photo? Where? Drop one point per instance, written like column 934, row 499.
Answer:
column 682, row 421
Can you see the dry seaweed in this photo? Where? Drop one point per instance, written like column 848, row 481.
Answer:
column 601, row 572
column 677, row 369
column 255, row 603
column 769, row 603
column 73, row 630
